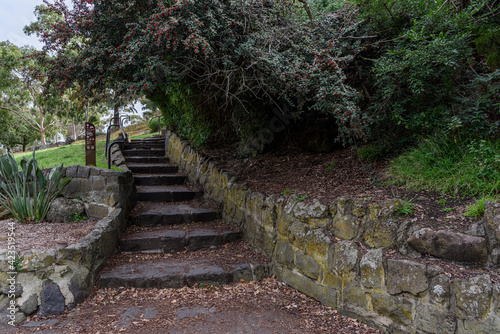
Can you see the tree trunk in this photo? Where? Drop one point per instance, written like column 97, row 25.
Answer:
column 42, row 127
column 87, row 112
column 42, row 135
column 74, row 127
column 116, row 114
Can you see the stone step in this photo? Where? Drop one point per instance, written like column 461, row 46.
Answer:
column 169, row 214
column 153, row 168
column 158, row 180
column 151, row 138
column 146, row 142
column 144, row 152
column 166, row 193
column 146, row 160
column 148, row 139
column 177, row 240
column 176, row 273
column 145, row 145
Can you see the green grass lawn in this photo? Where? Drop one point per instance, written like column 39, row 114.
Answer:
column 67, row 155
column 73, row 154
column 144, row 135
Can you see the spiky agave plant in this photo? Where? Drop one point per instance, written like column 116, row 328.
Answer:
column 29, row 192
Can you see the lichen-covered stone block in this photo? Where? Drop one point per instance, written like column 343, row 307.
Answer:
column 434, row 318
column 473, row 296
column 440, row 289
column 297, row 234
column 96, row 210
column 37, row 259
column 406, row 276
column 345, row 227
column 316, row 245
column 449, row 245
column 71, row 170
column 398, row 309
column 346, row 257
column 305, row 211
column 307, row 265
column 63, row 210
column 492, row 219
column 371, row 269
column 381, row 233
column 354, row 295
column 284, row 253
column 488, row 325
column 283, row 223
column 309, row 287
column 83, row 172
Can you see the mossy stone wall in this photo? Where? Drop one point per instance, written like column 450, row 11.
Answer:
column 336, row 254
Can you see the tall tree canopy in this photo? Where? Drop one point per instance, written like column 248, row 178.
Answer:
column 233, row 54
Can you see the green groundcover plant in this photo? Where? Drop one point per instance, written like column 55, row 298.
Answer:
column 29, row 192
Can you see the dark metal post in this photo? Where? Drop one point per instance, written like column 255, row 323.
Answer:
column 108, row 134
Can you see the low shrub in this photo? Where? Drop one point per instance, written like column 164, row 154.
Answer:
column 468, row 167
column 29, row 192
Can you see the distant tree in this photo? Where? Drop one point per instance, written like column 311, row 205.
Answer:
column 21, row 89
column 14, row 133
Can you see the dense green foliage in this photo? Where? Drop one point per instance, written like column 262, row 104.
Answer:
column 181, row 115
column 431, row 79
column 29, row 192
column 426, row 75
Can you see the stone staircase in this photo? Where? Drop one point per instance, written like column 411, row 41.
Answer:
column 175, row 237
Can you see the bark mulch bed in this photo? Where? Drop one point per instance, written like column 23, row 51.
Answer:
column 328, row 176
column 45, row 235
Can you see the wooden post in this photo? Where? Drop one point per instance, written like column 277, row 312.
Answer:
column 90, row 145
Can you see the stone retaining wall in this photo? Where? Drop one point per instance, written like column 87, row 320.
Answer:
column 337, row 254
column 53, row 279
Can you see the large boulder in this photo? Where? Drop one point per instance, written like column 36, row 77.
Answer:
column 449, row 245
column 64, row 210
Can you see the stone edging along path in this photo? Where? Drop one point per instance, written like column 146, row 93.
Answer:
column 349, row 271
column 53, row 279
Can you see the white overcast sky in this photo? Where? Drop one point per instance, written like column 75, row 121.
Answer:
column 14, row 15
